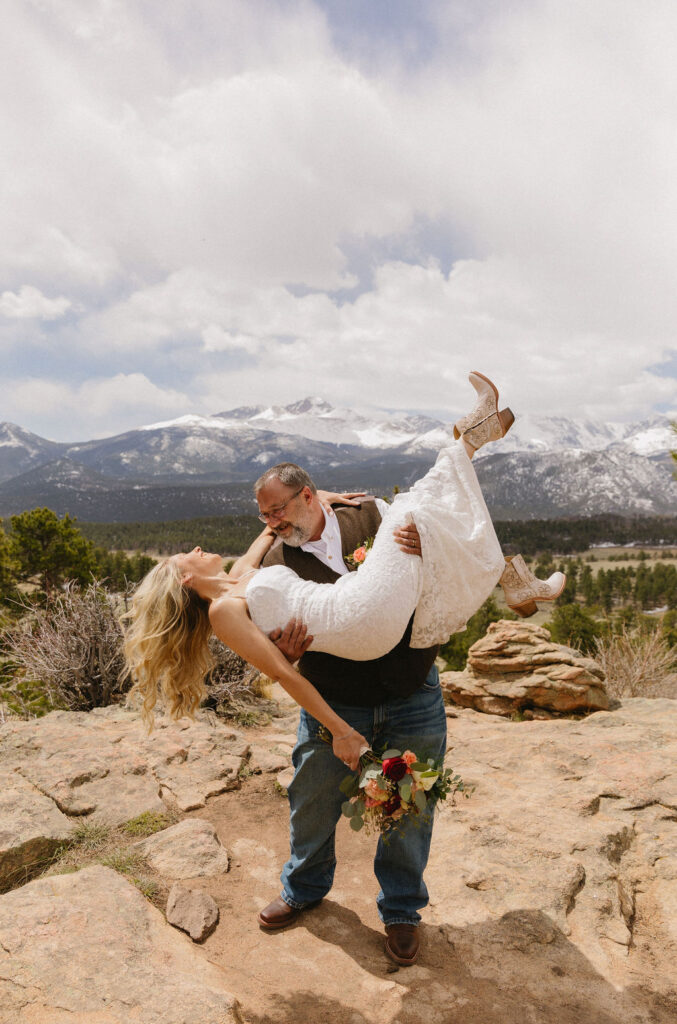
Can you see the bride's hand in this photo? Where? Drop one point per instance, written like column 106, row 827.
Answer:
column 327, row 497
column 349, row 747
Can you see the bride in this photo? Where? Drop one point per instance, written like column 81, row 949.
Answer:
column 362, row 616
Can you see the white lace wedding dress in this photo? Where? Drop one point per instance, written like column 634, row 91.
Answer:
column 364, row 614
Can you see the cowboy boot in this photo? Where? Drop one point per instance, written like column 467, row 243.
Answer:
column 522, row 589
column 485, row 423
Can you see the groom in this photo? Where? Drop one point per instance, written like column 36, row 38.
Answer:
column 394, row 701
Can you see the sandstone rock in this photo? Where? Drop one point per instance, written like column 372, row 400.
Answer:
column 570, row 834
column 192, row 911
column 516, row 666
column 269, row 759
column 31, row 829
column 190, row 849
column 89, row 947
column 103, row 765
column 284, row 779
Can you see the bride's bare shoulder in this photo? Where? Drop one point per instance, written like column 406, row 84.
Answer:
column 223, row 608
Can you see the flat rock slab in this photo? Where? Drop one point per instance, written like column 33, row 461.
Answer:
column 31, row 829
column 273, row 758
column 190, row 849
column 103, row 765
column 89, row 947
column 570, row 836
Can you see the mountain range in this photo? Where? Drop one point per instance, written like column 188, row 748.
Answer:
column 204, row 465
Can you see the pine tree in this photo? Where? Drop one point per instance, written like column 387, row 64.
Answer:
column 53, row 549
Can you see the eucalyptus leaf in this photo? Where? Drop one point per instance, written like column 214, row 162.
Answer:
column 349, row 786
column 405, row 791
column 420, row 800
column 348, row 809
column 392, row 753
column 356, row 823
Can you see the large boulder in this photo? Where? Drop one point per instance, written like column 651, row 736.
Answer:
column 89, row 947
column 516, row 666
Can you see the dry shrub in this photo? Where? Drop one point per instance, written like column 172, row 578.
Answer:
column 638, row 664
column 232, row 679
column 69, row 655
column 72, row 649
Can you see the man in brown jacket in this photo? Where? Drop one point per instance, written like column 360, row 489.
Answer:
column 394, row 701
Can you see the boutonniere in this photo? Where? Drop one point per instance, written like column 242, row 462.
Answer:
column 359, row 554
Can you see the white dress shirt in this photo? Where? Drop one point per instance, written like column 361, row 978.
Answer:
column 328, row 547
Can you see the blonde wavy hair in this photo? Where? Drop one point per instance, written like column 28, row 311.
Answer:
column 166, row 643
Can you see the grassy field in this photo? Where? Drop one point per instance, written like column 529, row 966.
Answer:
column 618, row 558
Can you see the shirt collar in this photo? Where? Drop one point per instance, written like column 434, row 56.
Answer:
column 330, row 526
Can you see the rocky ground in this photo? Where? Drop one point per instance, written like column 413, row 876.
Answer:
column 553, row 889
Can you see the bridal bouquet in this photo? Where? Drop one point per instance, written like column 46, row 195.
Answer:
column 393, row 786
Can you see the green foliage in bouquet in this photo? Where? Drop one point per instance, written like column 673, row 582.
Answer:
column 395, row 786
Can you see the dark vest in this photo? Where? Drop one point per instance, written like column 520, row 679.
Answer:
column 358, row 683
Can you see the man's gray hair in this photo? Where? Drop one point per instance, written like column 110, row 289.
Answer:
column 289, row 474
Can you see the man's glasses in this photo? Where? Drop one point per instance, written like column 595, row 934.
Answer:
column 277, row 513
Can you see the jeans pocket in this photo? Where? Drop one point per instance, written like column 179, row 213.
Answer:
column 432, row 681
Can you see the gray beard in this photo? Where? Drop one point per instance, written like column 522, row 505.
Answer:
column 297, row 537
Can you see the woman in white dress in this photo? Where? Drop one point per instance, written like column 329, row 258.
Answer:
column 361, row 617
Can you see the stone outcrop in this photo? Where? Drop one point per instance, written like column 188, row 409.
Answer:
column 32, row 828
column 89, row 947
column 102, row 765
column 517, row 667
column 192, row 911
column 553, row 899
column 190, row 849
column 570, row 839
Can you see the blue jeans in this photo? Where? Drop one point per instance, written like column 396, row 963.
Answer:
column 417, row 723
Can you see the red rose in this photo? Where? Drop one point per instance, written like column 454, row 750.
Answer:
column 394, row 768
column 391, row 806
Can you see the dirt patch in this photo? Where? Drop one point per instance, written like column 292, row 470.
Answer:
column 329, row 966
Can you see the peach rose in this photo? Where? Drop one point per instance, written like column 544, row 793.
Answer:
column 373, row 790
column 359, row 554
column 409, row 757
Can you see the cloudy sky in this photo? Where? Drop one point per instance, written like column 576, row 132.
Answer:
column 212, row 203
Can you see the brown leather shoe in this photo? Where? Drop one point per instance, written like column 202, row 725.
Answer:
column 277, row 914
column 402, row 942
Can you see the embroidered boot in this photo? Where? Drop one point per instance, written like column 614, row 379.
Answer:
column 485, row 423
column 522, row 589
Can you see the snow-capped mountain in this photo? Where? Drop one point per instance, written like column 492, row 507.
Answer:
column 544, row 467
column 20, row 450
column 317, row 420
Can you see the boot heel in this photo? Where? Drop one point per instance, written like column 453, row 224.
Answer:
column 506, row 419
column 524, row 610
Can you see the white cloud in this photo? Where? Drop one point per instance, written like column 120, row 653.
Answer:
column 30, row 303
column 92, row 408
column 180, row 176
